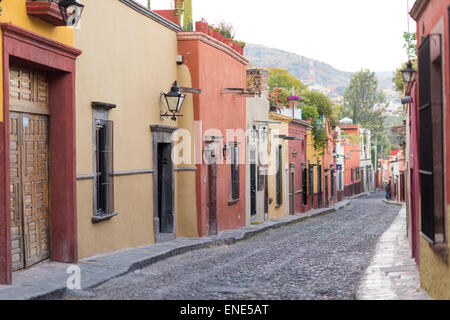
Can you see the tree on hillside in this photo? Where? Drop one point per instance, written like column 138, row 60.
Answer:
column 281, row 78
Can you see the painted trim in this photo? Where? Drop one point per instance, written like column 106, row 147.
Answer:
column 185, row 169
column 150, row 14
column 46, row 53
column 132, row 172
column 200, row 36
column 36, row 40
column 85, row 177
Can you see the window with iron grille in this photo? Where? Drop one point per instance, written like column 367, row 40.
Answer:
column 431, row 139
column 104, row 180
column 332, row 183
column 279, row 176
column 311, row 180
column 319, row 185
column 305, row 186
column 235, row 192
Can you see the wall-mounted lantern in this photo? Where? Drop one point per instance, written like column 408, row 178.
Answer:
column 319, row 125
column 174, row 101
column 254, row 133
column 409, row 74
column 264, row 134
column 71, row 11
column 295, row 153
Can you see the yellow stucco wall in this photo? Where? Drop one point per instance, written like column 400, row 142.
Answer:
column 434, row 272
column 15, row 12
column 275, row 211
column 128, row 60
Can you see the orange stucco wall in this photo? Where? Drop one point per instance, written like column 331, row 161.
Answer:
column 213, row 68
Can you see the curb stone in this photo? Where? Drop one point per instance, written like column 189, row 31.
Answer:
column 102, row 268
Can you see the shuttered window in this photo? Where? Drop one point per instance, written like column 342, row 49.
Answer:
column 279, row 176
column 305, row 186
column 332, row 183
column 431, row 139
column 104, row 182
column 235, row 192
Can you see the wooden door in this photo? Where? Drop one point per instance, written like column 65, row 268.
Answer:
column 165, row 197
column 29, row 163
column 211, row 201
column 29, row 167
column 253, row 184
column 292, row 191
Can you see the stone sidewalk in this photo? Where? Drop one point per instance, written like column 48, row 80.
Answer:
column 47, row 280
column 392, row 274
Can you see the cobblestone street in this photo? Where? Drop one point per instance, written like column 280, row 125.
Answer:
column 321, row 258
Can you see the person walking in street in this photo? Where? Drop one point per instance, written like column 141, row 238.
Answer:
column 388, row 190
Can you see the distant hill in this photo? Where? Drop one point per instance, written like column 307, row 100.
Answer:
column 316, row 74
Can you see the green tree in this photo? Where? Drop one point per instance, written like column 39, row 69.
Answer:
column 366, row 105
column 362, row 97
column 149, row 4
column 281, row 78
column 321, row 101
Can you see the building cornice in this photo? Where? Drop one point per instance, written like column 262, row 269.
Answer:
column 200, row 36
column 152, row 15
column 418, row 8
column 280, row 117
column 18, row 33
column 302, row 122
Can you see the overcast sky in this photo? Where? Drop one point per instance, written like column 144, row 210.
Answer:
column 348, row 34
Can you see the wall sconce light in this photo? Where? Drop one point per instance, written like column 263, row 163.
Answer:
column 264, row 134
column 409, row 74
column 71, row 11
column 254, row 134
column 174, row 101
column 294, row 154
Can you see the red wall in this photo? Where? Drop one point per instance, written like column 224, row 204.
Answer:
column 329, row 162
column 211, row 70
column 433, row 13
column 299, row 131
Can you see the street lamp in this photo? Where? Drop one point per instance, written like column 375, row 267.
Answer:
column 409, row 74
column 319, row 125
column 174, row 102
column 71, row 11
